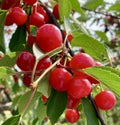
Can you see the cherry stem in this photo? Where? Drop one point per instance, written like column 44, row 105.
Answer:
column 96, row 110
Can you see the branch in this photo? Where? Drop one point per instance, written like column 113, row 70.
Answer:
column 96, row 110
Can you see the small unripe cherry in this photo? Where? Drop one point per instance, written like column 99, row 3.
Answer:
column 19, row 16
column 72, row 115
column 48, row 37
column 79, row 87
column 105, row 100
column 59, row 79
column 36, row 19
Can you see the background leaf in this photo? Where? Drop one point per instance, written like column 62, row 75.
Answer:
column 18, row 40
column 2, row 21
column 93, row 4
column 23, row 100
column 108, row 76
column 115, row 7
column 9, row 59
column 89, row 112
column 14, row 120
column 56, row 105
column 64, row 9
column 91, row 46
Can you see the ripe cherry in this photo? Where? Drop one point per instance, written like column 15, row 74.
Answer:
column 69, row 37
column 72, row 103
column 18, row 16
column 7, row 4
column 31, row 40
column 59, row 79
column 48, row 37
column 36, row 19
column 43, row 64
column 38, row 8
column 56, row 11
column 79, row 87
column 105, row 100
column 44, row 98
column 72, row 115
column 25, row 60
column 27, row 80
column 81, row 61
column 93, row 80
column 30, row 2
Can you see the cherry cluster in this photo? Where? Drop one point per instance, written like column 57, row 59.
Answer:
column 68, row 75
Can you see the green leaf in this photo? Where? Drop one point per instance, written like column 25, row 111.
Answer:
column 64, row 9
column 89, row 112
column 41, row 108
column 44, row 86
column 2, row 21
column 93, row 4
column 76, row 6
column 18, row 40
column 5, row 72
column 115, row 7
column 24, row 99
column 103, row 36
column 14, row 120
column 56, row 105
column 9, row 59
column 108, row 76
column 91, row 46
column 67, row 26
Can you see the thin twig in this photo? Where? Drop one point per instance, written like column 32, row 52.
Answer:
column 96, row 110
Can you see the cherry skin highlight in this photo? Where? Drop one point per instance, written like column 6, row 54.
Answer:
column 48, row 37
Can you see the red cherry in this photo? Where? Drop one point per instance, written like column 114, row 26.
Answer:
column 59, row 79
column 15, row 77
column 30, row 2
column 48, row 37
column 93, row 80
column 19, row 16
column 56, row 11
column 72, row 115
column 44, row 98
column 38, row 8
column 6, row 4
column 43, row 64
column 31, row 40
column 1, row 56
column 81, row 61
column 25, row 61
column 73, row 103
column 8, row 20
column 69, row 37
column 105, row 100
column 79, row 87
column 27, row 80
column 36, row 19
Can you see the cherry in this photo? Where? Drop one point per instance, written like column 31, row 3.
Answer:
column 59, row 79
column 56, row 11
column 31, row 40
column 38, row 8
column 36, row 19
column 27, row 80
column 81, row 61
column 7, row 4
column 105, row 100
column 48, row 37
column 69, row 37
column 79, row 87
column 30, row 2
column 44, row 98
column 72, row 115
column 43, row 64
column 72, row 103
column 18, row 16
column 93, row 80
column 8, row 20
column 25, row 60
column 15, row 77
